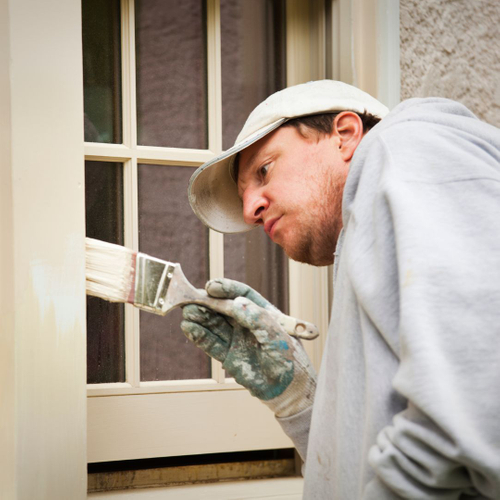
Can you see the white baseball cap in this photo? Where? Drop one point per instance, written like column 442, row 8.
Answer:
column 213, row 192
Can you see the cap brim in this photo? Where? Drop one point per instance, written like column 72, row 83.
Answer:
column 213, row 193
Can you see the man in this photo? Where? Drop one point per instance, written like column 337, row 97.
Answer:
column 407, row 402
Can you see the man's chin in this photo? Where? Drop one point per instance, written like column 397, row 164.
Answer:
column 305, row 255
column 313, row 262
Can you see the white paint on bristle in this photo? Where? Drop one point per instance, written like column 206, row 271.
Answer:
column 110, row 270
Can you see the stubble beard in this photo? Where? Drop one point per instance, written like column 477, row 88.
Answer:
column 320, row 232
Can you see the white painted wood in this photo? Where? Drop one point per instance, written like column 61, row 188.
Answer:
column 214, row 95
column 268, row 489
column 8, row 366
column 309, row 300
column 214, row 74
column 131, row 238
column 183, row 424
column 216, row 265
column 42, row 259
column 364, row 47
column 375, row 32
column 173, row 156
column 147, row 154
column 163, row 387
column 129, row 109
column 389, row 78
column 341, row 40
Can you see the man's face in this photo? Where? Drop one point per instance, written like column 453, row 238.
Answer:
column 293, row 185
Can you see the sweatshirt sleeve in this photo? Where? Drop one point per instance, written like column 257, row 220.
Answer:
column 443, row 268
column 297, row 428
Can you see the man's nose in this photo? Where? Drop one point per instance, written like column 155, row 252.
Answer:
column 254, row 206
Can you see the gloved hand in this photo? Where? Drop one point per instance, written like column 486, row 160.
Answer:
column 253, row 347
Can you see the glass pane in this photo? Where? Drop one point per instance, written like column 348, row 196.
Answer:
column 102, row 70
column 253, row 67
column 253, row 59
column 105, row 320
column 171, row 73
column 169, row 230
column 255, row 260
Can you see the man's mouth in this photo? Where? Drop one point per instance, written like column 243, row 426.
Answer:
column 270, row 226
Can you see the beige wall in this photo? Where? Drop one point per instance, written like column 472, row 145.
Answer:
column 451, row 48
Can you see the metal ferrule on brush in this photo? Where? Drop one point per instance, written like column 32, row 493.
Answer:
column 152, row 280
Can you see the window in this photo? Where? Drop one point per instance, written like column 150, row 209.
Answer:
column 43, row 245
column 168, row 85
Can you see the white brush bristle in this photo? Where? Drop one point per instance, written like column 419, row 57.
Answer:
column 110, row 271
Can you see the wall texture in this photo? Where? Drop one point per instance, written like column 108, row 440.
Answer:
column 451, row 48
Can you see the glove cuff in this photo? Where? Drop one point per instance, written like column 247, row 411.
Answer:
column 299, row 395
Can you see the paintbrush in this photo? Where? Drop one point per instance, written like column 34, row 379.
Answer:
column 118, row 274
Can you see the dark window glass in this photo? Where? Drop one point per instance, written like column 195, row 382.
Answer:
column 102, row 70
column 169, row 230
column 171, row 73
column 254, row 259
column 105, row 320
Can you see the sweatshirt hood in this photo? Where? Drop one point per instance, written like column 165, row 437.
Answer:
column 432, row 111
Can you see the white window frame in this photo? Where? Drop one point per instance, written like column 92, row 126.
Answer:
column 42, row 344
column 42, row 256
column 116, row 412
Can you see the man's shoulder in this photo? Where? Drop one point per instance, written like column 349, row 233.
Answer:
column 432, row 140
column 434, row 122
column 440, row 112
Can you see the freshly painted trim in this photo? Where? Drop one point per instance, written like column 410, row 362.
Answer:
column 227, row 421
column 42, row 342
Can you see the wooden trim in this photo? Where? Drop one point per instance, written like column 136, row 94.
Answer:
column 129, row 114
column 290, row 488
column 375, row 33
column 389, row 78
column 216, row 266
column 147, row 154
column 222, row 421
column 42, row 345
column 163, row 387
column 214, row 76
column 190, row 474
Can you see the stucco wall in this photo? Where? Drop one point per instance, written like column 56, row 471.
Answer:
column 451, row 48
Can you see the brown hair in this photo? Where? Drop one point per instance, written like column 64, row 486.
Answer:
column 323, row 123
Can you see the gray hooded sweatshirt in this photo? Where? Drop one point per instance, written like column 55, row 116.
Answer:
column 408, row 397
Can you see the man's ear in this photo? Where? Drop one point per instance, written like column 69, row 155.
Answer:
column 348, row 128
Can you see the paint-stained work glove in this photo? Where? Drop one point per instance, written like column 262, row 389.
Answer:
column 253, row 348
